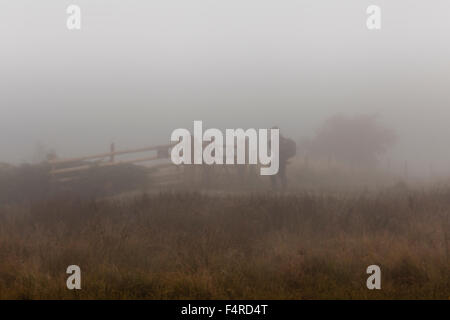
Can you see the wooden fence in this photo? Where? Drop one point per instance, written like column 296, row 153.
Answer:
column 61, row 166
column 65, row 170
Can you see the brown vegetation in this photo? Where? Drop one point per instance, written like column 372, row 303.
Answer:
column 27, row 183
column 189, row 245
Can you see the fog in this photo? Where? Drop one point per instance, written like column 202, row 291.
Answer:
column 137, row 70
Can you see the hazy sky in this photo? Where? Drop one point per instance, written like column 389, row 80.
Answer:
column 139, row 69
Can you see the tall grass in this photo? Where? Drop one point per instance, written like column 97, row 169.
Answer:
column 261, row 246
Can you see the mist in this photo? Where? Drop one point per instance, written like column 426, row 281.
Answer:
column 137, row 70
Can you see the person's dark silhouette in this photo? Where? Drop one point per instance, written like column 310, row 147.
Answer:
column 286, row 151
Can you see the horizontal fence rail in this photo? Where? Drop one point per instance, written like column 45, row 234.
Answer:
column 162, row 153
column 69, row 169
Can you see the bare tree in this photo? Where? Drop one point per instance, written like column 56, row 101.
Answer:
column 354, row 140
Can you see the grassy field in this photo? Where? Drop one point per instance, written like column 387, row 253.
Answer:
column 252, row 246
